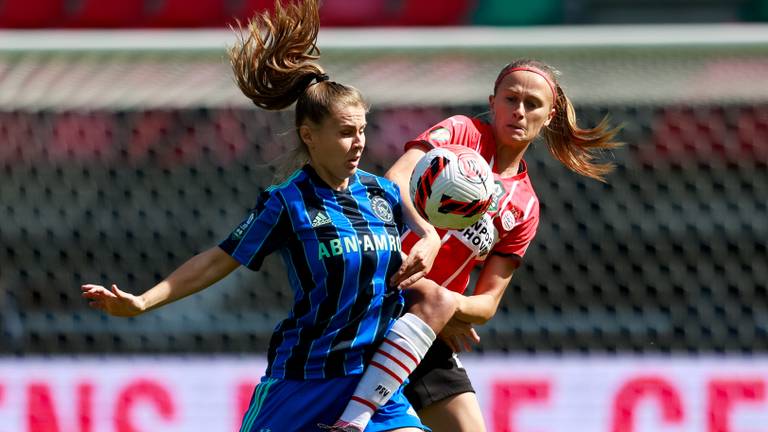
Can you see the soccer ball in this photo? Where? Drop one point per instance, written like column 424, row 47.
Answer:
column 452, row 186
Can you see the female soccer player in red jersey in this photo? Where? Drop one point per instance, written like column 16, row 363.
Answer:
column 527, row 102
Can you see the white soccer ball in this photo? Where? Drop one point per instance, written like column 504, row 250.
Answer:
column 452, row 186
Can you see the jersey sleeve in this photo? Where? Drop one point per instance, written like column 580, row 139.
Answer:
column 260, row 233
column 397, row 209
column 516, row 242
column 458, row 130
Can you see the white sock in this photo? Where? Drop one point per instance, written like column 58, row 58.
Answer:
column 398, row 355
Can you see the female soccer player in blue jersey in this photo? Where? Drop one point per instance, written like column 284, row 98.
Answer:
column 338, row 231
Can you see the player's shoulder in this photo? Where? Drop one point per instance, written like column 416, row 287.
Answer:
column 376, row 182
column 461, row 127
column 526, row 183
column 295, row 177
column 457, row 129
column 275, row 191
column 460, row 121
column 370, row 179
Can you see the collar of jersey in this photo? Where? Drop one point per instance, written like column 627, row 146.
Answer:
column 319, row 182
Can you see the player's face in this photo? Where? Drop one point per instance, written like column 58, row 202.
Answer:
column 521, row 106
column 336, row 144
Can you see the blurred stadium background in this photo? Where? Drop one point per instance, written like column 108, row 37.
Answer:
column 125, row 147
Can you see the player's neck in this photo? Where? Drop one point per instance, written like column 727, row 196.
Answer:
column 332, row 181
column 508, row 160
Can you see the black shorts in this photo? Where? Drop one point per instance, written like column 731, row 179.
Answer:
column 438, row 376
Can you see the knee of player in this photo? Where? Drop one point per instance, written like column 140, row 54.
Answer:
column 445, row 301
column 439, row 304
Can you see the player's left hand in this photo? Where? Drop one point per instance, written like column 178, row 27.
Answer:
column 418, row 262
column 459, row 335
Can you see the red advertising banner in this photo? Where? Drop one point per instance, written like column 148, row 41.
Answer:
column 517, row 394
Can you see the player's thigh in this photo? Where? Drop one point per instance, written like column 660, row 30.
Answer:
column 459, row 413
column 297, row 405
column 439, row 376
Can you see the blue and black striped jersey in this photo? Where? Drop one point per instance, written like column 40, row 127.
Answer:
column 340, row 248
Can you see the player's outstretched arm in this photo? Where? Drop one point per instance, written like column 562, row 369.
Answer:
column 459, row 333
column 422, row 254
column 199, row 272
column 481, row 306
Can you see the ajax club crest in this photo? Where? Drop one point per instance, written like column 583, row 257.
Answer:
column 381, row 208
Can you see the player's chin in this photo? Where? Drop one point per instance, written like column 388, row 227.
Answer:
column 518, row 139
column 517, row 134
column 350, row 167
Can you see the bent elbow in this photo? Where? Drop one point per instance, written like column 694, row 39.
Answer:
column 483, row 320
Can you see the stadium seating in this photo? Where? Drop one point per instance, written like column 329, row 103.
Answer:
column 498, row 12
column 101, row 14
column 184, row 13
column 219, row 13
column 26, row 14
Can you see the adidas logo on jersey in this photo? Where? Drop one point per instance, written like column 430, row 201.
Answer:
column 320, row 219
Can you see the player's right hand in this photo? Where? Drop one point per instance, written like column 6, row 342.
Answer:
column 113, row 301
column 418, row 262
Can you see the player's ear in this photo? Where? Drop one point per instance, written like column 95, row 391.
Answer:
column 305, row 132
column 491, row 98
column 550, row 116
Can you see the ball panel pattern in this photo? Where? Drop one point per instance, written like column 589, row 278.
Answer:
column 452, row 186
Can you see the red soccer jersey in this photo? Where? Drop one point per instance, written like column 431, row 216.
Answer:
column 506, row 229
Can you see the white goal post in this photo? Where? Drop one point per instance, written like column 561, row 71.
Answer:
column 601, row 65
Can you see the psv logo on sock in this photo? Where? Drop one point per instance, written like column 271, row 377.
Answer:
column 382, row 391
